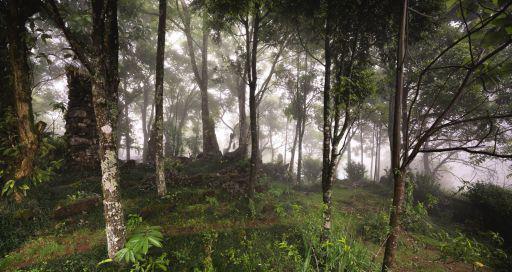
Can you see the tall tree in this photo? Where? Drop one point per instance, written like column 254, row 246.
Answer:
column 399, row 187
column 101, row 62
column 210, row 144
column 159, row 99
column 433, row 112
column 17, row 15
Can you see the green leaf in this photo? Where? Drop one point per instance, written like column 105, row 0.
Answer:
column 9, row 185
column 154, row 242
column 508, row 29
column 105, row 261
column 494, row 37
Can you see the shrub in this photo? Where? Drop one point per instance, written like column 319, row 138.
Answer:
column 460, row 247
column 312, row 169
column 426, row 189
column 355, row 172
column 492, row 206
column 375, row 227
column 415, row 216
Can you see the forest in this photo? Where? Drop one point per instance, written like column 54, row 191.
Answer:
column 255, row 135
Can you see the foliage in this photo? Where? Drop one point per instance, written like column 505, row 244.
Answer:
column 415, row 215
column 375, row 227
column 492, row 207
column 426, row 190
column 135, row 252
column 339, row 252
column 355, row 172
column 460, row 247
column 48, row 162
column 312, row 169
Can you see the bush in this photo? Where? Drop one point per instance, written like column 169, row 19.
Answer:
column 426, row 189
column 415, row 216
column 461, row 248
column 355, row 172
column 375, row 227
column 312, row 169
column 492, row 206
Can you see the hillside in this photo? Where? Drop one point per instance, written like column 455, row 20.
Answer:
column 208, row 226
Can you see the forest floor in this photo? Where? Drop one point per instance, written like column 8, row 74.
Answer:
column 204, row 223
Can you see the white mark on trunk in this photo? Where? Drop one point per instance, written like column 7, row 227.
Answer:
column 106, row 129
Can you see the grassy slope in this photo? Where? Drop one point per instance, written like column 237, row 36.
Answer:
column 195, row 219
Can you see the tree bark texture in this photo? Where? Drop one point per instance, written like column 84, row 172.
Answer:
column 397, row 172
column 159, row 100
column 20, row 76
column 253, row 172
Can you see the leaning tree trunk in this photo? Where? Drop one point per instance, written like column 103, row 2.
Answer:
column 396, row 169
column 20, row 73
column 159, row 100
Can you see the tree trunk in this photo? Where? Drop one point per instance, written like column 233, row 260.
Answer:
column 396, row 169
column 145, row 132
column 253, row 75
column 210, row 145
column 377, row 153
column 372, row 154
column 286, row 140
column 20, row 74
column 159, row 100
column 299, row 155
column 327, row 135
column 294, row 146
column 362, row 144
column 127, row 138
column 105, row 82
column 349, row 151
column 242, row 116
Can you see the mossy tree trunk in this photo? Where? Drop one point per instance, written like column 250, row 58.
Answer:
column 159, row 92
column 18, row 13
column 101, row 61
column 253, row 78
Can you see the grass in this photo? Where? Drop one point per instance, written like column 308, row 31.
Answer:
column 205, row 226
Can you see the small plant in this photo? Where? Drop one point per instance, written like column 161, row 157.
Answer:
column 376, row 227
column 46, row 164
column 461, row 248
column 415, row 214
column 135, row 252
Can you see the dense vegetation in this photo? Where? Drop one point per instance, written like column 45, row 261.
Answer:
column 255, row 135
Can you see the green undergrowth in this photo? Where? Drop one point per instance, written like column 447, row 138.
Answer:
column 207, row 229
